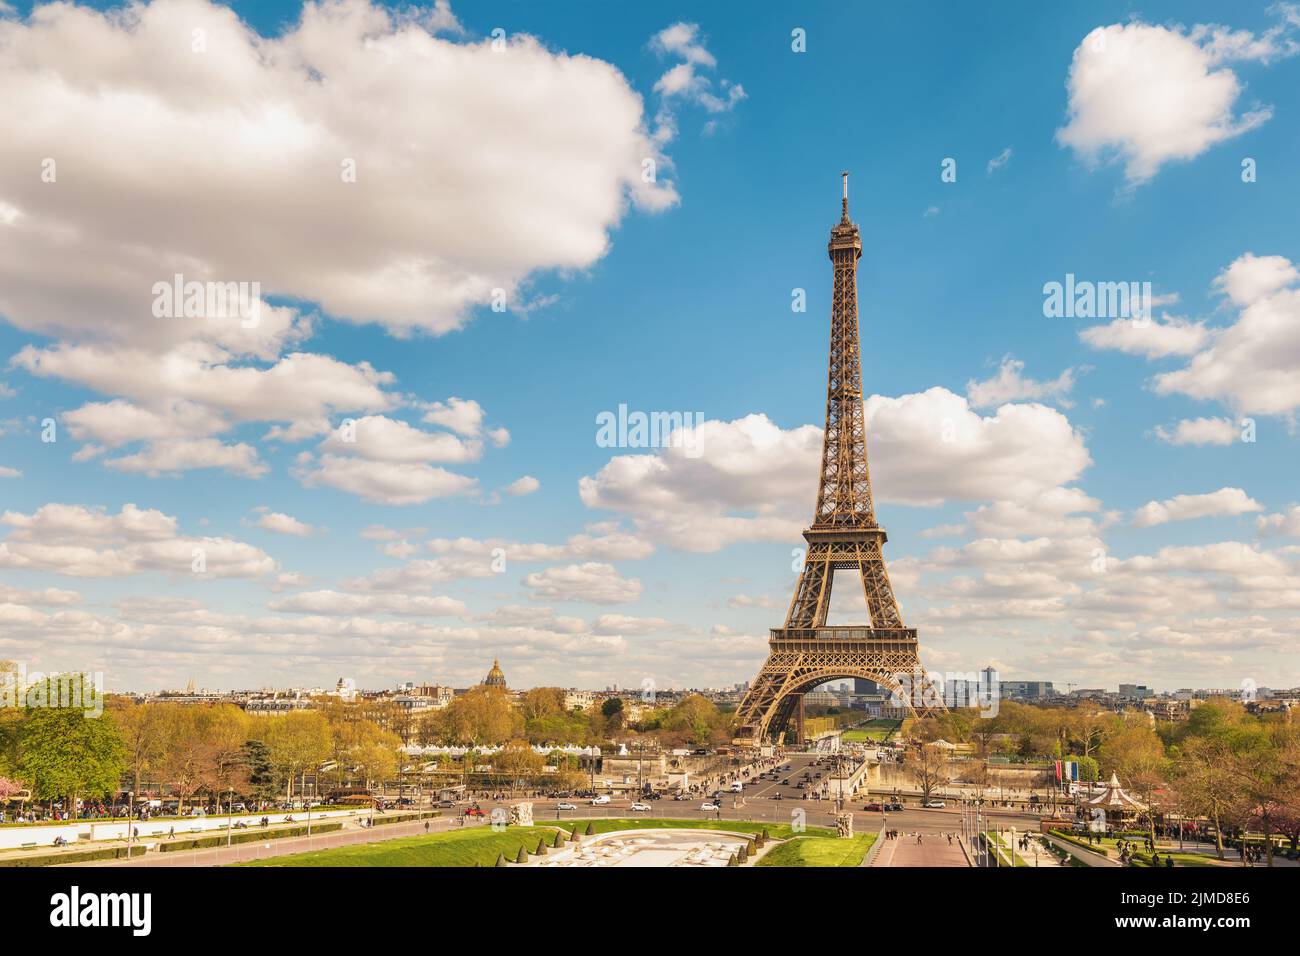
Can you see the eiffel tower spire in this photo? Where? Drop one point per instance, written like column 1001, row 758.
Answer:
column 843, row 536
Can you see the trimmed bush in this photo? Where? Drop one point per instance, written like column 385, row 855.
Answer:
column 246, row 836
column 501, row 860
column 85, row 856
column 541, row 847
column 522, row 856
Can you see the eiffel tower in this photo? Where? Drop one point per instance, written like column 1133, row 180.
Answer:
column 844, row 535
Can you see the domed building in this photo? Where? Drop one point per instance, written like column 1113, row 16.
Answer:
column 494, row 677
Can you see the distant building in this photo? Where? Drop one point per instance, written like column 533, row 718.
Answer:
column 495, row 678
column 270, row 706
column 578, row 699
column 1026, row 689
column 1135, row 691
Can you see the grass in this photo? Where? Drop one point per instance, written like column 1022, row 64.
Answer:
column 479, row 845
column 874, row 731
column 819, row 851
column 1108, row 847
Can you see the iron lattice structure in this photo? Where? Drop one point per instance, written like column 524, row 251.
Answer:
column 844, row 535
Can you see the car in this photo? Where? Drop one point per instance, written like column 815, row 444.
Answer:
column 709, row 807
column 475, row 812
column 777, row 796
column 565, row 806
column 446, row 803
column 876, row 807
column 639, row 807
column 680, row 796
column 893, row 807
column 785, row 782
column 598, row 801
column 934, row 804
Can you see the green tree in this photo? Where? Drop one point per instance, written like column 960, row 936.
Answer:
column 64, row 754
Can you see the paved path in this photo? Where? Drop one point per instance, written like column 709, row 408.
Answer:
column 933, row 850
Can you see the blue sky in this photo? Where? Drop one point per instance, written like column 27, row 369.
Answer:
column 666, row 296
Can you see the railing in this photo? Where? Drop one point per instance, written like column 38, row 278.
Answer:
column 889, row 634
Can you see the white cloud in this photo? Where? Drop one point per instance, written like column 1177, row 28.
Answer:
column 83, row 542
column 1286, row 523
column 383, row 482
column 281, row 523
column 684, row 81
column 380, row 438
column 340, row 603
column 1147, row 337
column 753, row 481
column 1199, row 431
column 523, row 486
column 1224, row 502
column 592, row 582
column 186, row 454
column 1010, row 385
column 7, row 472
column 998, row 161
column 548, row 153
column 1251, row 365
column 1149, row 95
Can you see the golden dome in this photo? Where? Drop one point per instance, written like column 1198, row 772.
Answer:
column 494, row 677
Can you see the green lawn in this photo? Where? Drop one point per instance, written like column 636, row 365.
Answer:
column 454, row 848
column 819, row 851
column 1109, row 847
column 778, row 831
column 873, row 731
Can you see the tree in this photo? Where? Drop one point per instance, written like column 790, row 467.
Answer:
column 1138, row 757
column 929, row 767
column 65, row 754
column 261, row 775
column 482, row 716
column 144, row 736
column 296, row 742
column 1207, row 785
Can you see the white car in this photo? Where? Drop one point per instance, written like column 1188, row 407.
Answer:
column 565, row 806
column 640, row 807
column 602, row 799
column 935, row 804
column 709, row 807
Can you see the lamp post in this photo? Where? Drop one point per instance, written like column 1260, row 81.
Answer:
column 230, row 816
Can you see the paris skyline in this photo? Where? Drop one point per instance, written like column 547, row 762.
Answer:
column 1092, row 499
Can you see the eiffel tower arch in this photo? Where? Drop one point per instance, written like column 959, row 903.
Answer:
column 843, row 535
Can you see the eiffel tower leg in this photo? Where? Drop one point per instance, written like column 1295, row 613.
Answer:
column 879, row 593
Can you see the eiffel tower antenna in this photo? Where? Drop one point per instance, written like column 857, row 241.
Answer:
column 843, row 535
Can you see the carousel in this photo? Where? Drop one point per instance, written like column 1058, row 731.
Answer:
column 1121, row 808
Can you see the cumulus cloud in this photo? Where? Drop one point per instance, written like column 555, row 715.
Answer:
column 525, row 485
column 754, row 481
column 548, row 153
column 1199, row 431
column 1147, row 337
column 83, row 542
column 686, row 81
column 281, row 523
column 1010, row 384
column 341, row 603
column 1251, row 364
column 1148, row 95
column 592, row 582
column 1224, row 502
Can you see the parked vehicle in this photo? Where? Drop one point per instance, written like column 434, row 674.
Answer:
column 709, row 807
column 639, row 807
column 600, row 800
column 565, row 806
column 874, row 808
column 935, row 804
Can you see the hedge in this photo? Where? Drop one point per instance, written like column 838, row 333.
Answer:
column 82, row 856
